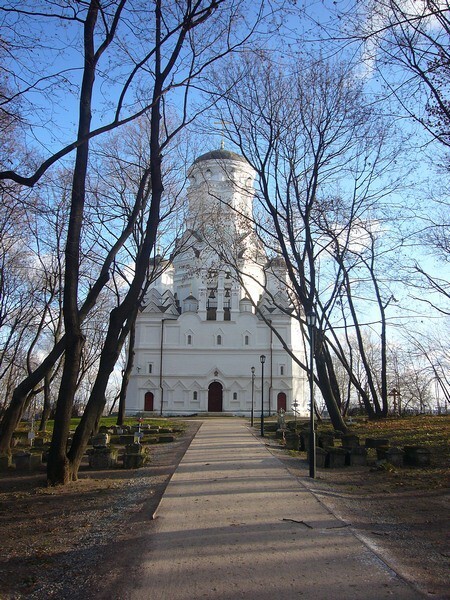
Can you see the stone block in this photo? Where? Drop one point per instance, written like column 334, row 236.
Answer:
column 134, row 461
column 40, row 441
column 35, row 460
column 417, row 456
column 164, row 439
column 376, row 442
column 325, row 440
column 134, row 448
column 395, row 456
column 22, row 460
column 356, row 457
column 100, row 440
column 126, row 439
column 321, row 456
column 335, row 458
column 381, row 452
column 304, row 440
column 270, row 427
column 349, row 440
column 292, row 440
column 103, row 458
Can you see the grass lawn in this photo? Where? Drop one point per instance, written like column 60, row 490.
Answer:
column 106, row 421
column 432, row 432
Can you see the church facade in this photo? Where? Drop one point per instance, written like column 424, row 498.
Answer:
column 215, row 333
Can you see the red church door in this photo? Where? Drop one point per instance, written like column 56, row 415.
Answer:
column 215, row 395
column 281, row 401
column 148, row 402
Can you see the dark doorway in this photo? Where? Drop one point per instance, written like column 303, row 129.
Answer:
column 281, row 401
column 215, row 394
column 148, row 402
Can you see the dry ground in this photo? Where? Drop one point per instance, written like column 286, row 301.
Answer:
column 63, row 542
column 71, row 543
column 400, row 514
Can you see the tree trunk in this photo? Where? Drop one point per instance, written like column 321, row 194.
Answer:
column 16, row 407
column 126, row 375
column 11, row 419
column 97, row 400
column 332, row 377
column 46, row 408
column 57, row 466
column 126, row 312
column 326, row 388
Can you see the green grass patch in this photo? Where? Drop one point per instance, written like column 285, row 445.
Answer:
column 24, row 426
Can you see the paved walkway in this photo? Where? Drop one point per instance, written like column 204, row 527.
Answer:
column 234, row 523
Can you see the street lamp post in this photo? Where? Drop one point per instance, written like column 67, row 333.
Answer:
column 311, row 322
column 295, row 405
column 253, row 394
column 262, row 358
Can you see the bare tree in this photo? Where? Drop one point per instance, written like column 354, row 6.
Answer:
column 310, row 136
column 184, row 40
column 404, row 50
column 405, row 42
column 429, row 350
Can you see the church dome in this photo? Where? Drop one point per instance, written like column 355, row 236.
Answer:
column 220, row 155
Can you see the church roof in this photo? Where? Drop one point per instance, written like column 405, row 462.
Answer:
column 220, row 155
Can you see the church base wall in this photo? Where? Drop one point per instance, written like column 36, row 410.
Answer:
column 191, row 413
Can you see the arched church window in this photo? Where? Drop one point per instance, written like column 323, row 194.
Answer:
column 189, row 340
column 246, row 340
column 219, row 340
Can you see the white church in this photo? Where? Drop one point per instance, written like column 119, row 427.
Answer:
column 208, row 334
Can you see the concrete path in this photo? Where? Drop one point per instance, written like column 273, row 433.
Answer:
column 234, row 523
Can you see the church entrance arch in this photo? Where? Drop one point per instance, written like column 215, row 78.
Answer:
column 148, row 402
column 215, row 397
column 281, row 402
